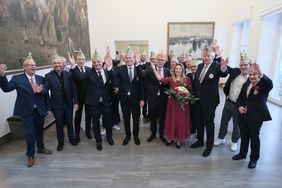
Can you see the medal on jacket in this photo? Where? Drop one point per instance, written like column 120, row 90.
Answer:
column 211, row 76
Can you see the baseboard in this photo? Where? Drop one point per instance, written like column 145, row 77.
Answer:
column 6, row 138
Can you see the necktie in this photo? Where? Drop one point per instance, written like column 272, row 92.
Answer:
column 202, row 75
column 33, row 85
column 100, row 77
column 130, row 74
column 159, row 72
column 252, row 89
column 81, row 70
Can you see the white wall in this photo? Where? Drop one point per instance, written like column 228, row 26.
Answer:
column 147, row 20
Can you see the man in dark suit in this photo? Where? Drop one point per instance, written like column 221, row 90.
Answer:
column 206, row 88
column 127, row 82
column 253, row 112
column 31, row 105
column 79, row 75
column 63, row 99
column 192, row 67
column 98, row 99
column 144, row 64
column 232, row 88
column 157, row 99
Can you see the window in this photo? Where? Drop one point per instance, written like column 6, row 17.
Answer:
column 270, row 53
column 240, row 40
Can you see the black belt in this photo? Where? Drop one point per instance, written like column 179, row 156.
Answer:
column 231, row 101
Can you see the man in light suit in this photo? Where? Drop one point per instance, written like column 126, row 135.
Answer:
column 63, row 99
column 31, row 104
column 79, row 75
column 127, row 82
column 232, row 88
column 253, row 112
column 206, row 88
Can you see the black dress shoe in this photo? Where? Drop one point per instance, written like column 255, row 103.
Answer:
column 111, row 141
column 73, row 142
column 89, row 135
column 178, row 146
column 151, row 138
column 60, row 146
column 207, row 151
column 238, row 157
column 126, row 140
column 136, row 140
column 252, row 164
column 196, row 145
column 169, row 142
column 99, row 146
column 163, row 139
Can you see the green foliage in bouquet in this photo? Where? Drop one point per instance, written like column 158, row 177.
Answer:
column 181, row 95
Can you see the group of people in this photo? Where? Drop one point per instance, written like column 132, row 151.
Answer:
column 135, row 81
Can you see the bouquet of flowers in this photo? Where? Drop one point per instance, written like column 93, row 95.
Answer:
column 181, row 95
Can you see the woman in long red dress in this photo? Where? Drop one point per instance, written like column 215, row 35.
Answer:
column 177, row 120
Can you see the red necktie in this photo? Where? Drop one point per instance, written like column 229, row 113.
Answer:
column 160, row 72
column 33, row 85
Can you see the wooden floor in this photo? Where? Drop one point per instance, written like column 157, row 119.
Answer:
column 148, row 165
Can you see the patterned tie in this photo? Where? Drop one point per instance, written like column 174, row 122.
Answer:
column 130, row 74
column 203, row 73
column 33, row 85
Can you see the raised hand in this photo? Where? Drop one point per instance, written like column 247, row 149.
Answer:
column 224, row 63
column 108, row 51
column 216, row 48
column 71, row 59
column 137, row 57
column 38, row 88
column 3, row 69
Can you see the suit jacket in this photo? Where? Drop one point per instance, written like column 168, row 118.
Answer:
column 152, row 86
column 192, row 79
column 207, row 91
column 233, row 73
column 255, row 103
column 121, row 81
column 98, row 92
column 58, row 100
column 80, row 81
column 26, row 99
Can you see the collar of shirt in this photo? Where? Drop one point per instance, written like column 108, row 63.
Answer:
column 29, row 77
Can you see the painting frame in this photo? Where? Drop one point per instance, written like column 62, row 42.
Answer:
column 183, row 36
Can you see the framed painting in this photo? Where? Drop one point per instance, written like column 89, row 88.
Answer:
column 42, row 27
column 183, row 36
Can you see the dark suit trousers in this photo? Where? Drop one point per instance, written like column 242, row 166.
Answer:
column 64, row 115
column 157, row 109
column 96, row 112
column 115, row 109
column 130, row 106
column 78, row 115
column 34, row 132
column 249, row 132
column 205, row 119
column 145, row 112
column 193, row 124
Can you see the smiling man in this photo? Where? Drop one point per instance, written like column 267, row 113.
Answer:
column 31, row 104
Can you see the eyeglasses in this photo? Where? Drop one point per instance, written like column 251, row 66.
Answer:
column 30, row 65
